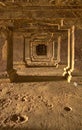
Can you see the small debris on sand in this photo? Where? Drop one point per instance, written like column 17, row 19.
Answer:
column 75, row 84
column 17, row 119
column 24, row 99
column 67, row 109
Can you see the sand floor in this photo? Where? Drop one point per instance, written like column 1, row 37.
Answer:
column 41, row 106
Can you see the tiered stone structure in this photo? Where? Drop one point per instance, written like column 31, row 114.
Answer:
column 42, row 29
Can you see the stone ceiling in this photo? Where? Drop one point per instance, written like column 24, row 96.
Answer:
column 34, row 12
column 45, row 2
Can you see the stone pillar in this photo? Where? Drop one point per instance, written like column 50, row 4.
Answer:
column 69, row 51
column 72, row 54
column 24, row 50
column 9, row 50
column 62, row 22
column 23, row 63
column 55, row 50
column 71, row 46
column 53, row 47
column 58, row 51
column 28, row 51
column 11, row 72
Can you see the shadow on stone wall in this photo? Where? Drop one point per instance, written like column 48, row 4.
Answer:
column 22, row 78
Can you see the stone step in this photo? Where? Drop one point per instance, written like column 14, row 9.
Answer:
column 40, row 71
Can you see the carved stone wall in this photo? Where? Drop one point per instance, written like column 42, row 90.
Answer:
column 48, row 2
column 40, row 59
column 33, row 17
column 18, row 46
column 3, row 56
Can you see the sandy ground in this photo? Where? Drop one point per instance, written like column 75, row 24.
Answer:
column 41, row 106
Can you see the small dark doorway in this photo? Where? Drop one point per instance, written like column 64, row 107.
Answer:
column 41, row 49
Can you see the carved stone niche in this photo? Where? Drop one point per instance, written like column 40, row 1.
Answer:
column 41, row 53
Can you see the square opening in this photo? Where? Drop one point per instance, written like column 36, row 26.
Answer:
column 41, row 49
